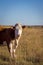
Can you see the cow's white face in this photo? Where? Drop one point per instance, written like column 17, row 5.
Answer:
column 18, row 30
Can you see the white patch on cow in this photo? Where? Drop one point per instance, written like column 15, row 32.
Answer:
column 11, row 49
column 16, row 42
column 14, row 50
column 14, row 53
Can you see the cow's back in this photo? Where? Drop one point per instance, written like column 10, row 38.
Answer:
column 6, row 35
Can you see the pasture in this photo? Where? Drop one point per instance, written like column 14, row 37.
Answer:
column 29, row 51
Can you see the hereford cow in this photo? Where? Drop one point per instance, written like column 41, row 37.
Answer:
column 11, row 36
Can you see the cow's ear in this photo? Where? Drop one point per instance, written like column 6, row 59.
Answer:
column 13, row 27
column 23, row 26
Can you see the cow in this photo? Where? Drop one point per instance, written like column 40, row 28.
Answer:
column 12, row 37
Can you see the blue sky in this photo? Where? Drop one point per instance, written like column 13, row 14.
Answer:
column 28, row 12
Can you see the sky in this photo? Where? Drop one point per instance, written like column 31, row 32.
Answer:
column 26, row 12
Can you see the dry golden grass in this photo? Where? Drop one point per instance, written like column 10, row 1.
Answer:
column 29, row 51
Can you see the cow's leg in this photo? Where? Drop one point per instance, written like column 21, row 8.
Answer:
column 16, row 45
column 16, row 41
column 11, row 49
column 8, row 46
column 1, row 43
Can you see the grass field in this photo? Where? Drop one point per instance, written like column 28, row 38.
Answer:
column 29, row 51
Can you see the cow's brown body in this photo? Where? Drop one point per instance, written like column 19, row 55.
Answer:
column 7, row 35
